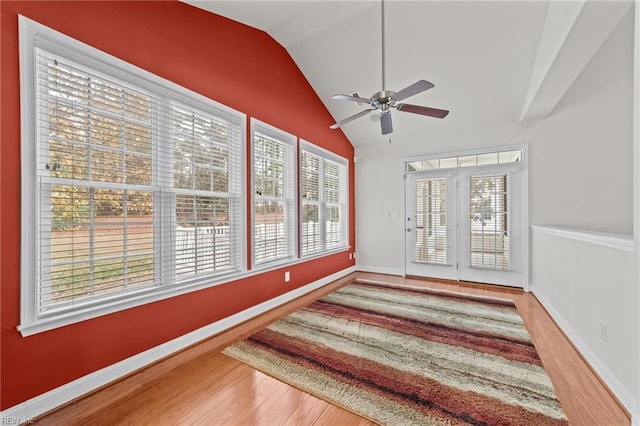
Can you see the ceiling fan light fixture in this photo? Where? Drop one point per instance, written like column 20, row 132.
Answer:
column 385, row 122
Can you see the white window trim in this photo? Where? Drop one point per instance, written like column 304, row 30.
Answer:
column 30, row 322
column 480, row 151
column 258, row 126
column 326, row 154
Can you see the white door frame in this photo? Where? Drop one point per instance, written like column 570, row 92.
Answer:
column 516, row 236
column 525, row 200
column 449, row 269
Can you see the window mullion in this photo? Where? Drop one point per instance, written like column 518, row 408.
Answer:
column 322, row 206
column 125, row 198
column 92, row 224
column 89, row 132
column 164, row 198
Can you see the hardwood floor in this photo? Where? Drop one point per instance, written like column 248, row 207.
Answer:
column 201, row 386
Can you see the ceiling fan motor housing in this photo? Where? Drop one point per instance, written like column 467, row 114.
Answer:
column 384, row 99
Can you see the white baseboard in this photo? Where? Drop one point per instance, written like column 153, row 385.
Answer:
column 619, row 390
column 28, row 410
column 378, row 270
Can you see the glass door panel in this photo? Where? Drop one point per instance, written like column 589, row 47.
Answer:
column 430, row 225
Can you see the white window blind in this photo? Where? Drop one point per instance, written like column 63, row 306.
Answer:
column 274, row 176
column 136, row 184
column 310, row 211
column 323, row 189
column 335, row 202
column 207, row 190
column 95, row 185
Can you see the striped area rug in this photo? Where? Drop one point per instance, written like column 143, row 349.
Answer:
column 401, row 355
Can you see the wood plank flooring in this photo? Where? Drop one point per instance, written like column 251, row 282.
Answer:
column 201, row 386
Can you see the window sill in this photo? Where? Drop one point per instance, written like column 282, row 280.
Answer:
column 316, row 255
column 266, row 267
column 119, row 303
column 144, row 297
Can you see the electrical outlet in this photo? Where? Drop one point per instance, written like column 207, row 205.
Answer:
column 603, row 332
column 287, row 277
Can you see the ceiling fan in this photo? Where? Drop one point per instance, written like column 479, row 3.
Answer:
column 384, row 100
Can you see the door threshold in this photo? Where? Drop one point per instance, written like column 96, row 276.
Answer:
column 470, row 284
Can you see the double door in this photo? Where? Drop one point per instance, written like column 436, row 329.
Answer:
column 466, row 224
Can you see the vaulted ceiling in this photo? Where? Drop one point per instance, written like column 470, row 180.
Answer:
column 493, row 63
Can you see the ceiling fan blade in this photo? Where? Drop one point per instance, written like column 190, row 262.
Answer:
column 385, row 123
column 414, row 89
column 351, row 98
column 416, row 109
column 353, row 117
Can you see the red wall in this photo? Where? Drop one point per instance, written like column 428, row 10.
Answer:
column 231, row 63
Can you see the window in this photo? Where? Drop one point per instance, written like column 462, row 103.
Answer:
column 274, row 176
column 484, row 159
column 204, row 151
column 323, row 199
column 132, row 185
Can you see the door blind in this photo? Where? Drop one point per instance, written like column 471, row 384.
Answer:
column 490, row 221
column 432, row 242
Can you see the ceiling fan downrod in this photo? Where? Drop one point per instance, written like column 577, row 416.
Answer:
column 383, row 47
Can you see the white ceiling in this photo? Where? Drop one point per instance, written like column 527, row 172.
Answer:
column 493, row 63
